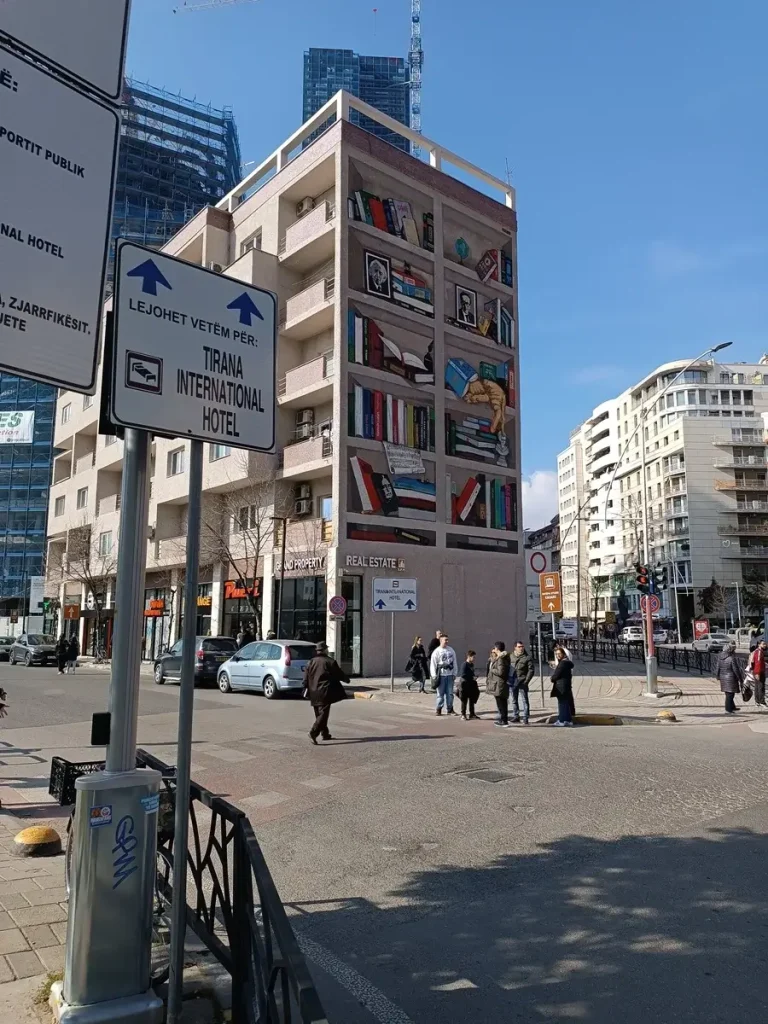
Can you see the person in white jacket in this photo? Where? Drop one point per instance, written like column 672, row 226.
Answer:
column 442, row 668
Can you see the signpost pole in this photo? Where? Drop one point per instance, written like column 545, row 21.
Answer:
column 184, row 743
column 392, row 653
column 541, row 663
column 553, row 627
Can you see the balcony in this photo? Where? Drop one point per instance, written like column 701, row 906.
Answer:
column 671, row 489
column 85, row 463
column 309, row 240
column 678, row 531
column 760, row 553
column 310, row 309
column 744, row 529
column 313, row 379
column 109, row 503
column 169, row 550
column 310, row 458
column 750, row 506
column 747, row 438
column 741, row 485
column 741, row 462
column 674, row 513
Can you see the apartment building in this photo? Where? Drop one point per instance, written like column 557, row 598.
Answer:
column 542, row 554
column 398, row 448
column 705, row 486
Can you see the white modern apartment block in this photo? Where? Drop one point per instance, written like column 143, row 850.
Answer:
column 706, row 491
column 398, row 446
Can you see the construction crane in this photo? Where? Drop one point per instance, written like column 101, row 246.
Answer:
column 416, row 60
column 207, row 4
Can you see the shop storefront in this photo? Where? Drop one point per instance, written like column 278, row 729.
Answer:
column 97, row 631
column 204, row 605
column 156, row 631
column 303, row 607
column 242, row 606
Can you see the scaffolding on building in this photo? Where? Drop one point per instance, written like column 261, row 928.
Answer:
column 176, row 156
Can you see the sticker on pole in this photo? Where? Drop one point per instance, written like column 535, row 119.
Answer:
column 101, row 815
column 212, row 339
column 150, row 803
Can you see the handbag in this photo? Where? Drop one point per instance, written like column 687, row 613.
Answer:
column 409, row 665
column 746, row 692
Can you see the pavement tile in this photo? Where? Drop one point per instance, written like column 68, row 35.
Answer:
column 17, row 886
column 321, row 782
column 269, row 799
column 12, row 901
column 56, row 894
column 20, row 869
column 60, row 931
column 5, row 921
column 39, row 936
column 25, row 965
column 52, row 957
column 12, row 941
column 6, row 974
column 49, row 914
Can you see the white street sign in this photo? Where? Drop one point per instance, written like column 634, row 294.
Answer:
column 395, row 595
column 194, row 351
column 57, row 155
column 85, row 38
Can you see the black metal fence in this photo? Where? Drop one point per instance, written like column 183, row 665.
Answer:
column 234, row 908
column 680, row 660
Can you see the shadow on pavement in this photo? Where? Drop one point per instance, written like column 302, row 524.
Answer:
column 637, row 929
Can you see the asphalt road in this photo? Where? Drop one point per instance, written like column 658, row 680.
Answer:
column 593, row 874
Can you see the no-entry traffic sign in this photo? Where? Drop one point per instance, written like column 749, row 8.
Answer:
column 194, row 352
column 549, row 592
column 57, row 155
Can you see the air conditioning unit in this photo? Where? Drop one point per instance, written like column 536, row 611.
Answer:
column 305, row 416
column 303, row 431
column 302, row 508
column 303, row 491
column 305, row 206
column 217, row 268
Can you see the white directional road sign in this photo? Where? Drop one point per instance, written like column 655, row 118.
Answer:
column 57, row 155
column 395, row 595
column 194, row 352
column 85, row 38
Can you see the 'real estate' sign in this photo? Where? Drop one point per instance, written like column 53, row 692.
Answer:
column 194, row 352
column 374, row 562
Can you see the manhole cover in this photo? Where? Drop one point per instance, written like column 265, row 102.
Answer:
column 490, row 775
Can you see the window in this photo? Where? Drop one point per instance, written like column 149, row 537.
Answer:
column 725, row 398
column 82, row 497
column 677, row 435
column 66, row 412
column 87, row 401
column 105, row 543
column 246, row 518
column 58, row 508
column 254, row 242
column 218, row 451
column 175, row 462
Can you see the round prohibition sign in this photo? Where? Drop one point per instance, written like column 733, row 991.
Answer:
column 650, row 600
column 337, row 605
column 538, row 561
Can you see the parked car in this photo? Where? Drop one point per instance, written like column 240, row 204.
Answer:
column 6, row 643
column 631, row 635
column 33, row 649
column 210, row 653
column 269, row 667
column 712, row 642
column 660, row 636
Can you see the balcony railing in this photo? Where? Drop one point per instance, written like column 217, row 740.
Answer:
column 310, row 450
column 307, row 299
column 109, row 503
column 737, row 552
column 741, row 485
column 740, row 461
column 678, row 531
column 743, row 529
column 751, row 506
column 739, row 437
column 85, row 462
column 314, row 371
column 305, row 229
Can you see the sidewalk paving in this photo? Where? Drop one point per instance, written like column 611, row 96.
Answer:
column 610, row 687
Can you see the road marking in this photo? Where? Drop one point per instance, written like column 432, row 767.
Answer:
column 269, row 799
column 370, row 998
column 322, row 782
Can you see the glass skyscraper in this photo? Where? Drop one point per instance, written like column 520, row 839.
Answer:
column 25, row 477
column 380, row 81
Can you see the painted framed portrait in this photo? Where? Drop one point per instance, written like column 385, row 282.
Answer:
column 466, row 306
column 378, row 275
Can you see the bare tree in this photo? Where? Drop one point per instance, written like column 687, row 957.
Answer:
column 598, row 586
column 716, row 600
column 91, row 560
column 238, row 524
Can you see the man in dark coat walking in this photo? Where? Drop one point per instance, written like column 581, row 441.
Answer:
column 323, row 677
column 497, row 681
column 731, row 676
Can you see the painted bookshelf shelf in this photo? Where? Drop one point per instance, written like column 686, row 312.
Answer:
column 483, row 465
column 391, row 307
column 393, row 380
column 367, row 444
column 385, row 238
column 477, row 340
column 465, row 270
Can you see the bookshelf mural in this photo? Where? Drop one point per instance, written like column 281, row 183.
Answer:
column 482, row 501
column 397, row 282
column 394, row 216
column 402, row 496
column 492, row 320
column 475, row 436
column 368, row 345
column 377, row 416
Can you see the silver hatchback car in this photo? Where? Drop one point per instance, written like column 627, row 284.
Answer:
column 270, row 667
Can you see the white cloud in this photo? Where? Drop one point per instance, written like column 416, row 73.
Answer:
column 539, row 498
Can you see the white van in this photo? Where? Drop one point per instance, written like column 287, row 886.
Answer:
column 631, row 635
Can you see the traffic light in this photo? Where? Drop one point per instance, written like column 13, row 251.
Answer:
column 660, row 578
column 642, row 578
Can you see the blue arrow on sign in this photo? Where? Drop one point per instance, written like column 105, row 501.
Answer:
column 409, row 603
column 151, row 277
column 380, row 604
column 247, row 308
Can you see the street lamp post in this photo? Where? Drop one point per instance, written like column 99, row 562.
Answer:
column 738, row 602
column 651, row 664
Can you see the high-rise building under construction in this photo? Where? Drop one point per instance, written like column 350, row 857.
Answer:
column 176, row 156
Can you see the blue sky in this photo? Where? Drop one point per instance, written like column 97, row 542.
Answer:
column 636, row 138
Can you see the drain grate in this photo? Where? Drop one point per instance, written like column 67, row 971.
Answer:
column 490, row 775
